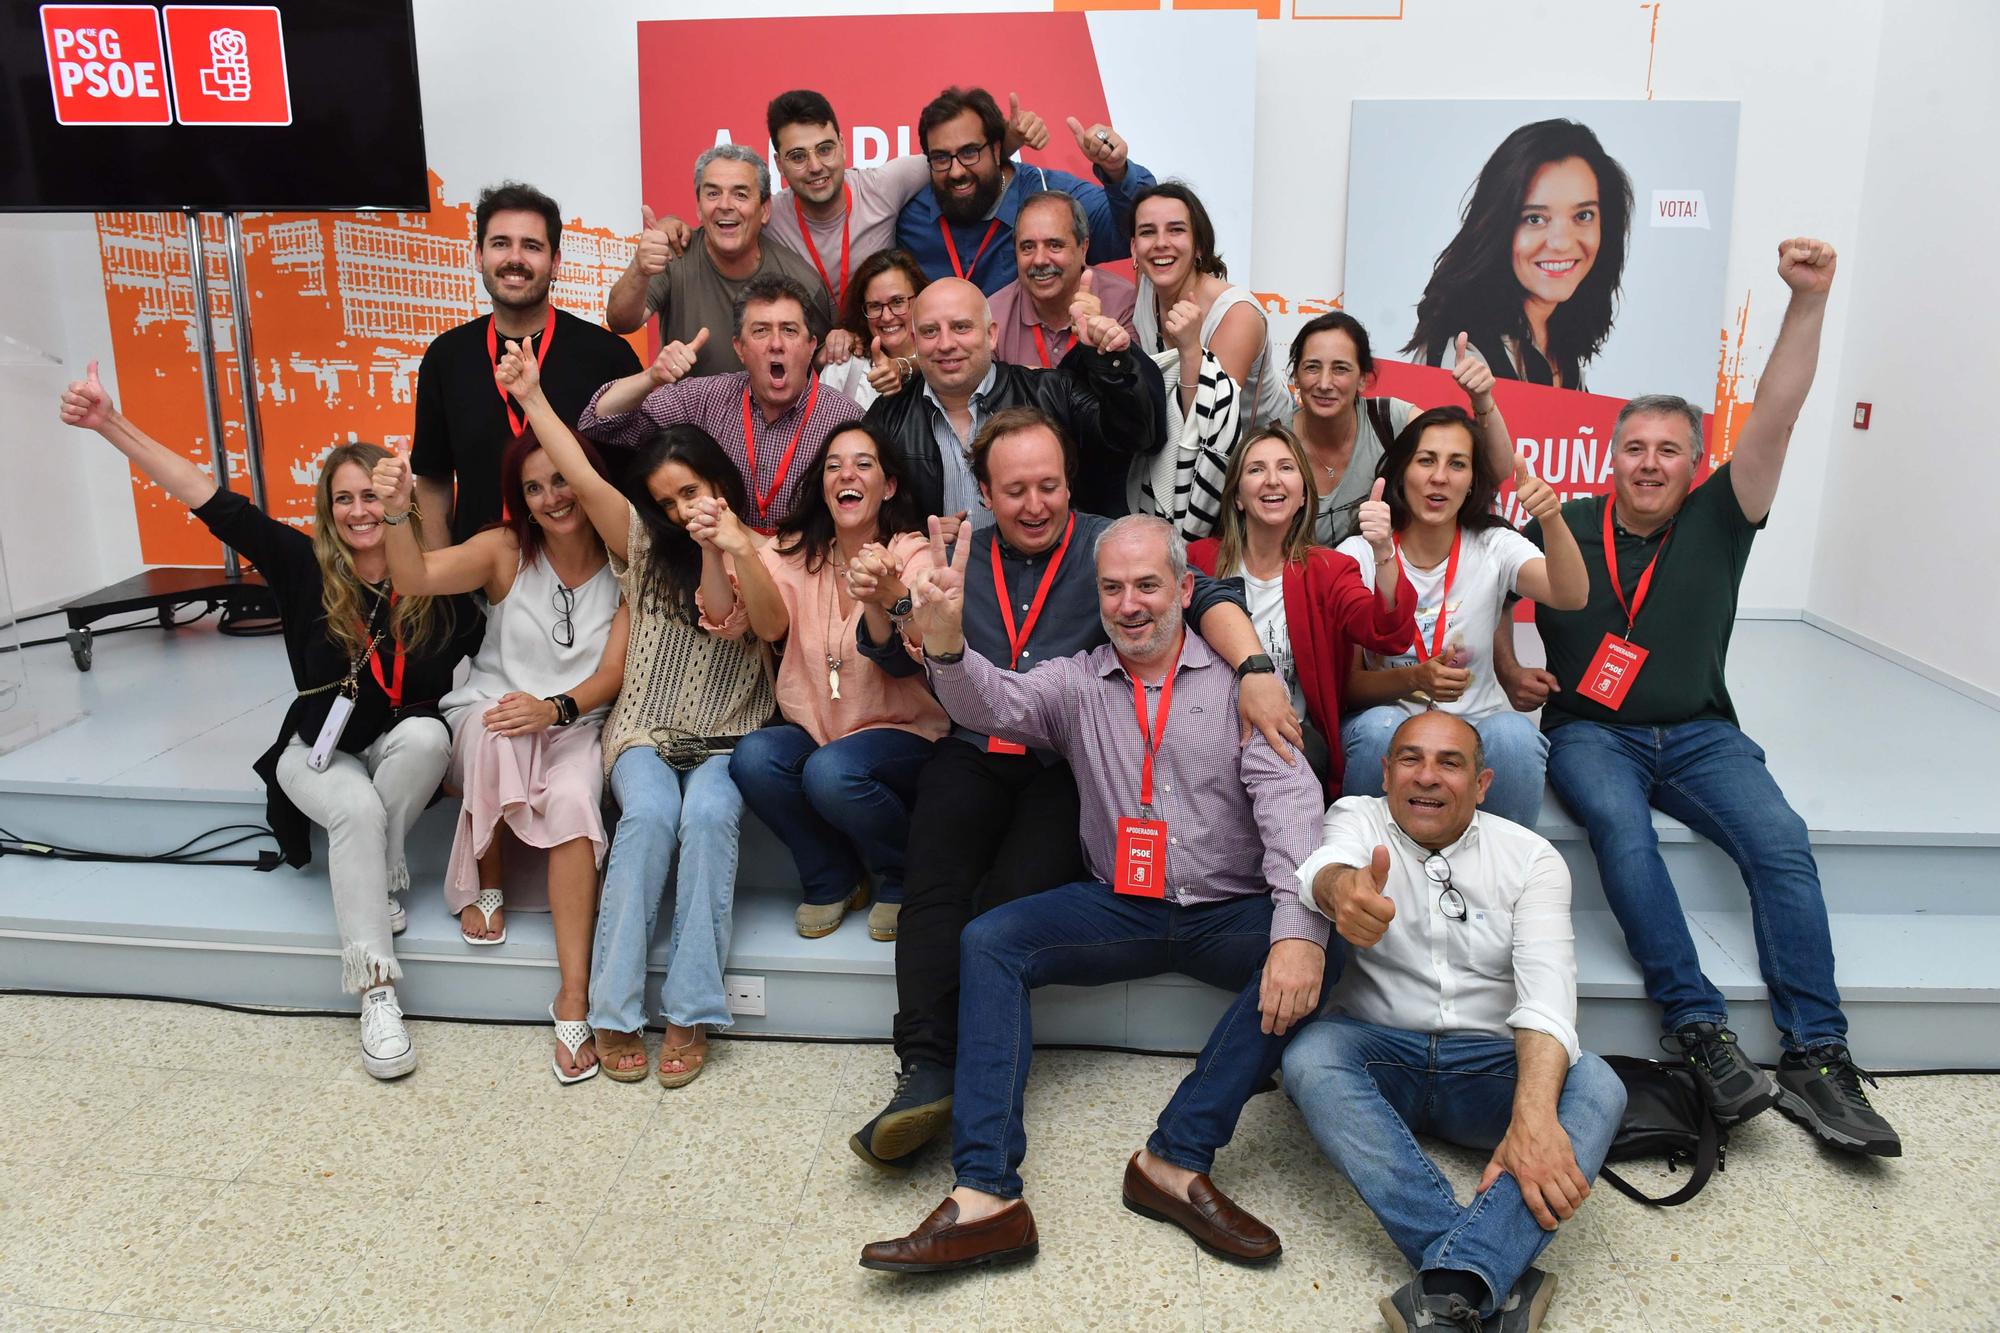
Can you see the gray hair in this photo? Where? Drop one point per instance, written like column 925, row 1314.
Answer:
column 736, row 152
column 1079, row 221
column 1661, row 405
column 1151, row 524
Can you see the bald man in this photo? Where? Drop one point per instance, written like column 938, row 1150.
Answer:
column 1454, row 1017
column 1108, row 397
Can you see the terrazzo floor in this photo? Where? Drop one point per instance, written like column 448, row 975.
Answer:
column 164, row 1166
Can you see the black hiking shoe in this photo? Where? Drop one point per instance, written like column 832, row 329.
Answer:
column 919, row 1108
column 1735, row 1087
column 1821, row 1089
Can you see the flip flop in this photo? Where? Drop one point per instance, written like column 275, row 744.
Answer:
column 488, row 902
column 611, row 1046
column 572, row 1033
column 694, row 1055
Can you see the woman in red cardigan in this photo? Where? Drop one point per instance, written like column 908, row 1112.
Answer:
column 1309, row 604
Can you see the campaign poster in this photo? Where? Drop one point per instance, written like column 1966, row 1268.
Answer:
column 1581, row 247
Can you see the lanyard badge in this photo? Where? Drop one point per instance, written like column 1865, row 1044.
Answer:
column 1611, row 674
column 1141, row 851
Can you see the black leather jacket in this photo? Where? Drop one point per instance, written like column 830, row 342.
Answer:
column 1114, row 407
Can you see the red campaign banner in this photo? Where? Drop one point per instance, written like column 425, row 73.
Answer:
column 691, row 84
column 106, row 64
column 228, row 65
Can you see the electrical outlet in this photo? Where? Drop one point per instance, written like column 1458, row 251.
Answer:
column 744, row 995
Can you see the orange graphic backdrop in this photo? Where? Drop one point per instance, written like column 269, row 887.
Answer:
column 342, row 306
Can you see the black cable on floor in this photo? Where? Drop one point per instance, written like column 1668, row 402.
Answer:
column 187, row 854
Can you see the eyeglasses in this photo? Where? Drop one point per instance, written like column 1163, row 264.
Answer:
column 564, row 630
column 941, row 161
column 826, row 150
column 1450, row 901
column 895, row 305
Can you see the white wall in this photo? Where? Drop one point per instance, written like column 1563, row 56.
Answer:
column 1910, row 529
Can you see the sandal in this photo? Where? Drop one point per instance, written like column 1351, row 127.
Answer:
column 488, row 902
column 572, row 1033
column 694, row 1055
column 614, row 1046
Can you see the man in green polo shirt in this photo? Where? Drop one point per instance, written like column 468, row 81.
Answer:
column 1638, row 714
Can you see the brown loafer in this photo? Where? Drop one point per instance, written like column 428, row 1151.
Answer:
column 1217, row 1225
column 942, row 1243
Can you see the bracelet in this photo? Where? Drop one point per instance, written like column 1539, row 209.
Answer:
column 566, row 712
column 398, row 520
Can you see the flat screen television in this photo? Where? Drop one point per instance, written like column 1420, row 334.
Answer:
column 287, row 106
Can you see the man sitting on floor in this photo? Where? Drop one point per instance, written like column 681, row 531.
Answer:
column 1456, row 1016
column 1638, row 716
column 1194, row 841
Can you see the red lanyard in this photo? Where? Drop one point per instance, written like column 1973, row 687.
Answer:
column 951, row 246
column 515, row 419
column 1611, row 566
column 1149, row 736
column 1042, row 348
column 1444, row 595
column 392, row 685
column 812, row 251
column 763, row 501
column 1016, row 642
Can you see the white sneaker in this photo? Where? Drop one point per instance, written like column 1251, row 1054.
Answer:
column 386, row 1051
column 399, row 919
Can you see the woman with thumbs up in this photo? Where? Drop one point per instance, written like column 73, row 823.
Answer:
column 1464, row 561
column 877, row 317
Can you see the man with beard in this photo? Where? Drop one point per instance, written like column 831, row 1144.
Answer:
column 464, row 420
column 1032, row 313
column 692, row 282
column 1193, row 840
column 964, row 227
column 770, row 417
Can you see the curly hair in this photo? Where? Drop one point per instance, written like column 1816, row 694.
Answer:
column 420, row 624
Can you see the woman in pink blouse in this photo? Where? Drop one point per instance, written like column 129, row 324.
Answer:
column 835, row 780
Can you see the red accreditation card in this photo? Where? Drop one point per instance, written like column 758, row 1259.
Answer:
column 1611, row 673
column 1142, row 858
column 994, row 745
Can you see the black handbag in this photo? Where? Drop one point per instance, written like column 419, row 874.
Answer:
column 1666, row 1115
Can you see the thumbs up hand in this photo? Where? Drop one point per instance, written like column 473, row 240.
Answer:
column 1473, row 375
column 1085, row 301
column 885, row 373
column 676, row 360
column 1361, row 911
column 1025, row 129
column 1536, row 496
column 85, row 403
column 518, row 371
column 662, row 240
column 1375, row 522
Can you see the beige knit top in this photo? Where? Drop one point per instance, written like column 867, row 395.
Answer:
column 680, row 675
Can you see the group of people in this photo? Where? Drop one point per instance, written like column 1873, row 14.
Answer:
column 1042, row 614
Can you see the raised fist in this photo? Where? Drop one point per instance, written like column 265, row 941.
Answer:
column 1806, row 265
column 1373, row 517
column 661, row 241
column 676, row 360
column 85, row 403
column 393, row 484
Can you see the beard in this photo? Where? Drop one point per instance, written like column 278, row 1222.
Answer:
column 529, row 297
column 964, row 209
column 1166, row 629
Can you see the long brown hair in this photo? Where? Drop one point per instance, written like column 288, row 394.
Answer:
column 420, row 624
column 1231, row 529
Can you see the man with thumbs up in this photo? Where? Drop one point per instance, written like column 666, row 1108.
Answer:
column 1455, row 1016
column 464, row 422
column 1035, row 315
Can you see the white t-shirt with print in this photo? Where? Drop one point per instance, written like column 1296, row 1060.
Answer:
column 1266, row 598
column 1489, row 564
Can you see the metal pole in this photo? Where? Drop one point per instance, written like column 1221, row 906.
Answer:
column 246, row 361
column 204, row 348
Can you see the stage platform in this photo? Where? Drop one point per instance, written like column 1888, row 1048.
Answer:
column 1892, row 772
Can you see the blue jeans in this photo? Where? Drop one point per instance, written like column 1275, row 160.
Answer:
column 842, row 807
column 661, row 809
column 1712, row 778
column 1366, row 1090
column 1516, row 751
column 1086, row 935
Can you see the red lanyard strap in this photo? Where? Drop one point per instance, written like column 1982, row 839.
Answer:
column 1150, row 736
column 1444, row 595
column 1645, row 583
column 516, row 419
column 812, row 251
column 951, row 246
column 1016, row 642
column 1042, row 348
column 392, row 684
column 763, row 499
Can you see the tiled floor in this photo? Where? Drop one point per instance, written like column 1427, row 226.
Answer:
column 163, row 1166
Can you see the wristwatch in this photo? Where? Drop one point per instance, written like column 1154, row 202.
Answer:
column 1256, row 664
column 901, row 608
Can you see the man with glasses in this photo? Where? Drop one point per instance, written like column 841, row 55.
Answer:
column 965, row 226
column 1455, row 1017
column 833, row 217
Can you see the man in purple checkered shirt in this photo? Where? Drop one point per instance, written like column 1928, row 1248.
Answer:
column 776, row 396
column 1238, row 821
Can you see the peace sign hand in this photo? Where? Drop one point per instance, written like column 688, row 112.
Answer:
column 939, row 595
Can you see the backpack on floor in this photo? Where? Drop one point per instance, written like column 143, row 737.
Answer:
column 1665, row 1116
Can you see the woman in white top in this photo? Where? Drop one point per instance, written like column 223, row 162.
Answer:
column 1345, row 433
column 1464, row 560
column 873, row 351
column 525, row 723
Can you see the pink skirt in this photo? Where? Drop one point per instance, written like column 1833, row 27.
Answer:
column 546, row 789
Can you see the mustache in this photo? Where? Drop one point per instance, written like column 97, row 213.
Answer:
column 1038, row 272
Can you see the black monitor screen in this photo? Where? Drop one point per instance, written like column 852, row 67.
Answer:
column 296, row 105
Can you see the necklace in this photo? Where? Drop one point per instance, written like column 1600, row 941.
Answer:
column 834, row 663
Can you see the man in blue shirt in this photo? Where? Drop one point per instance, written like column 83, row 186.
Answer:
column 963, row 226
